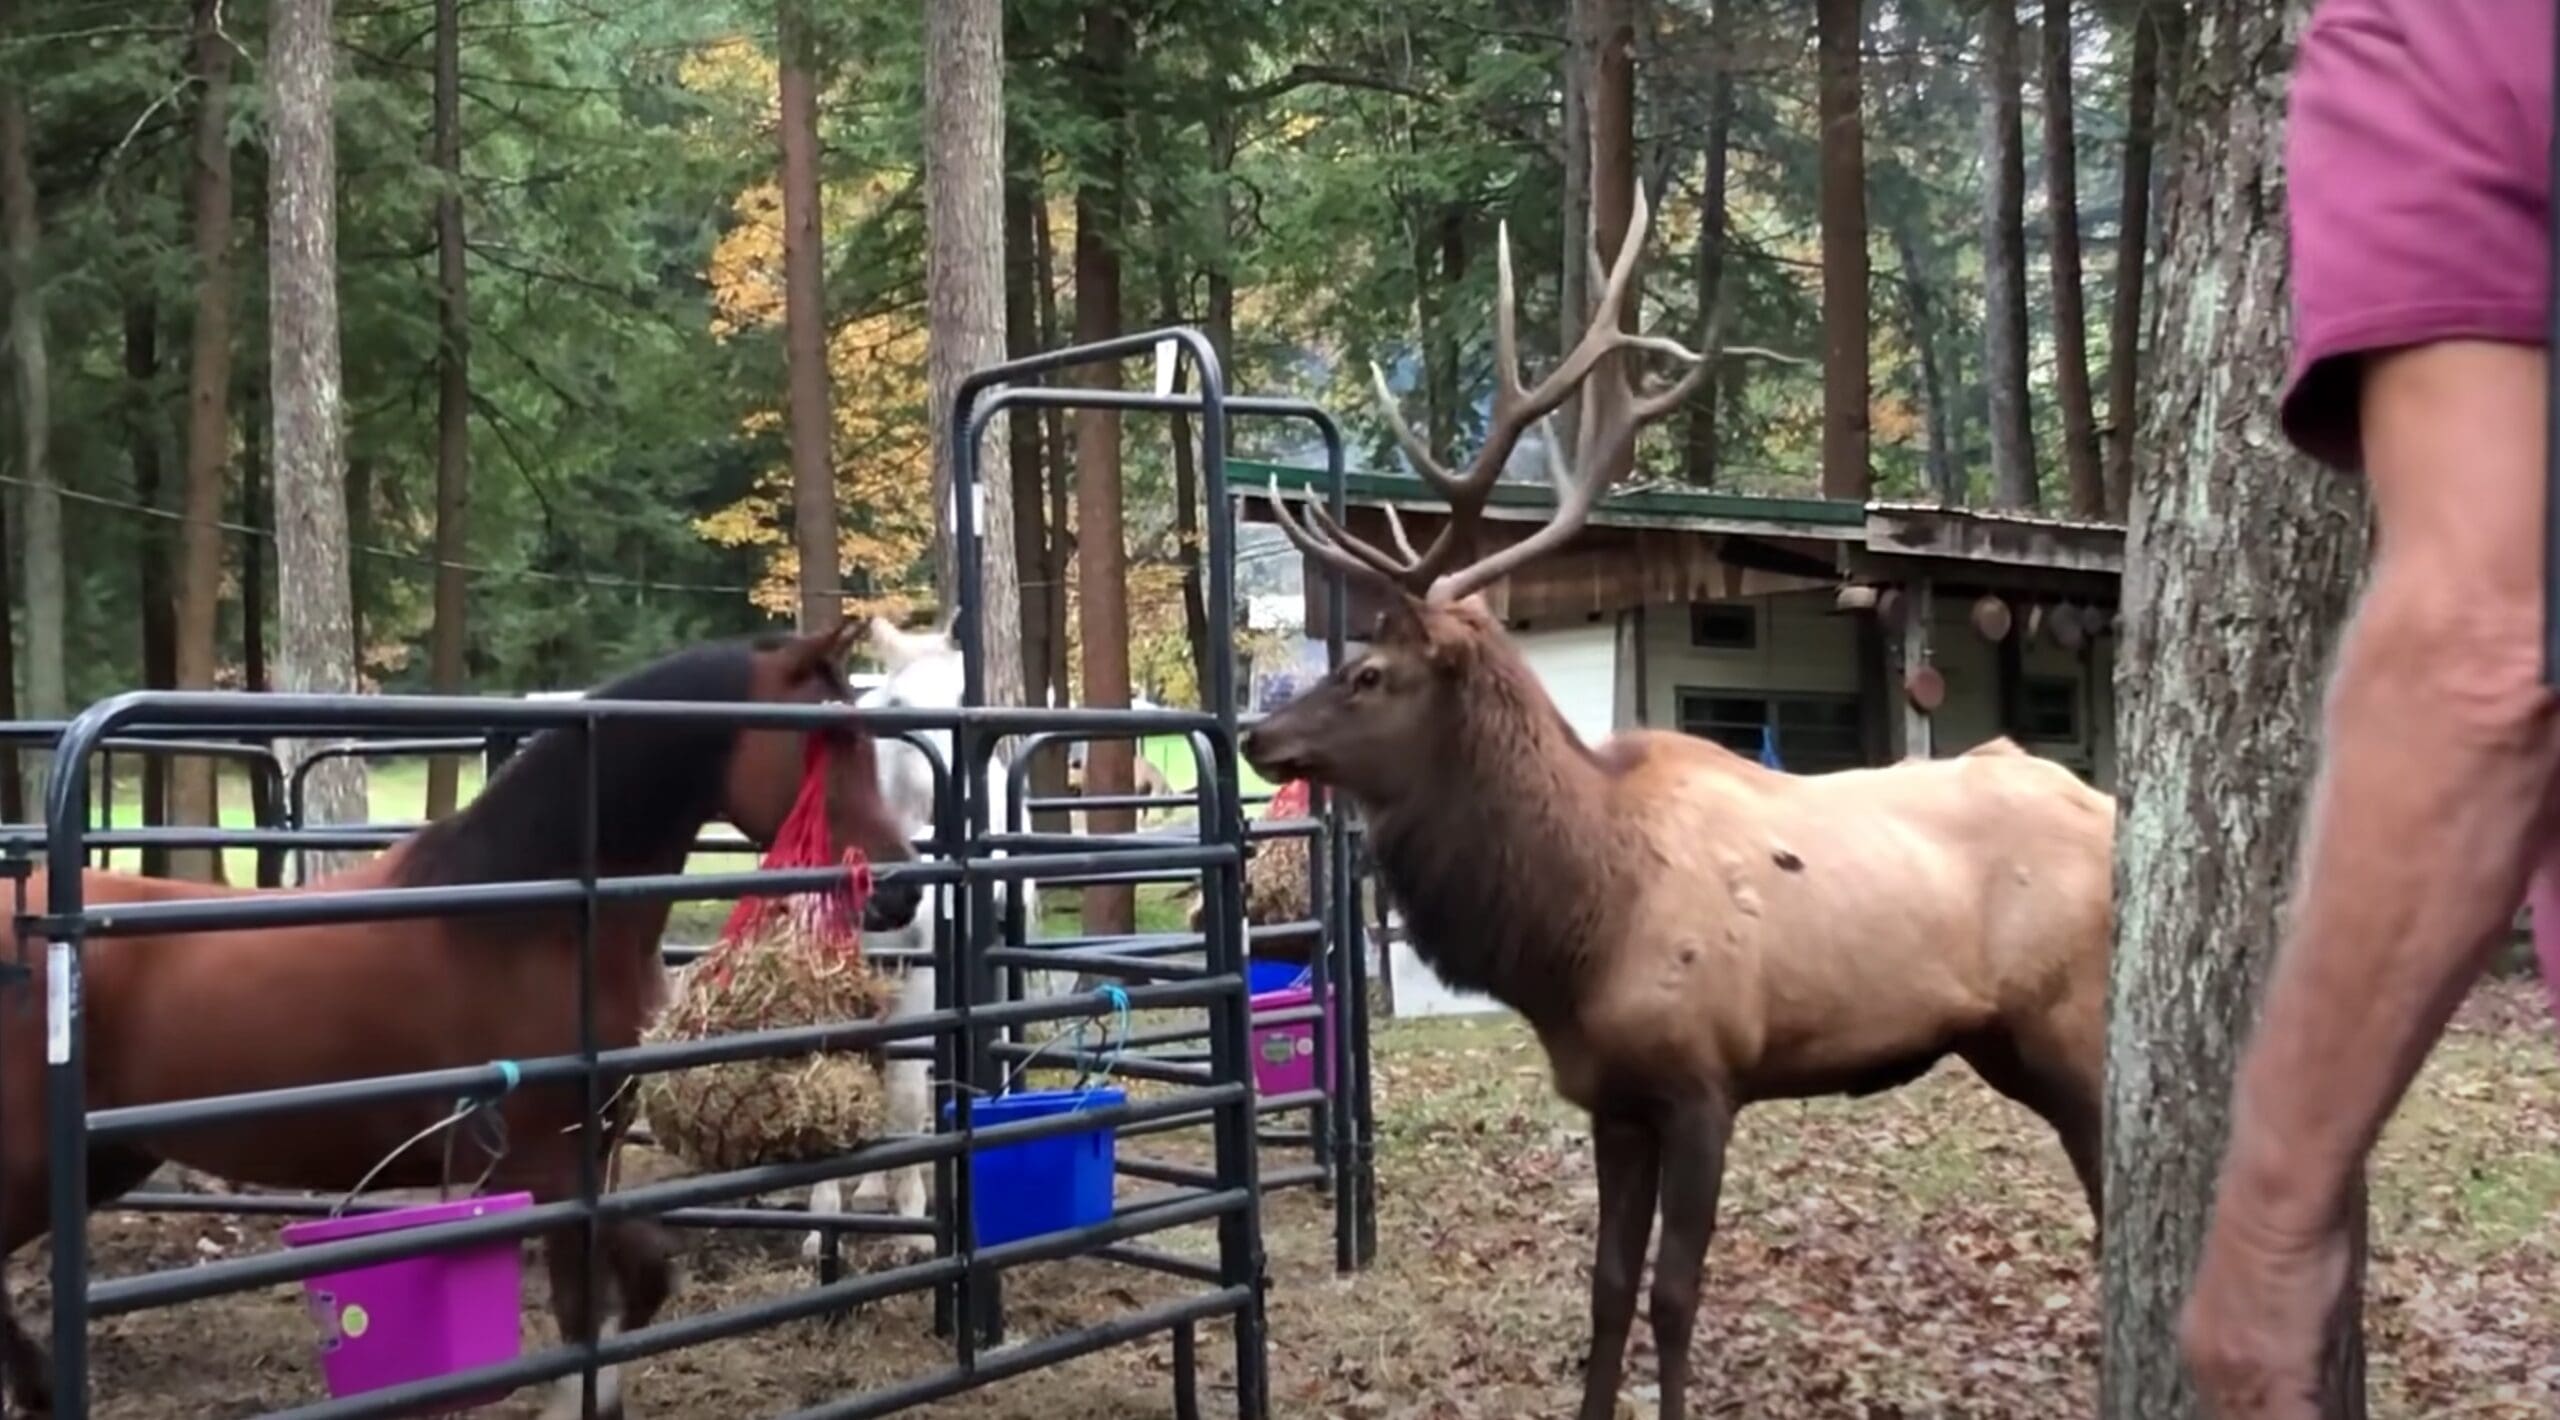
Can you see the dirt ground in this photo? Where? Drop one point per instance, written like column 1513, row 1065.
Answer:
column 1919, row 1254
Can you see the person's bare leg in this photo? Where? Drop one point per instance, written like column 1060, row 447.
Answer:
column 2438, row 755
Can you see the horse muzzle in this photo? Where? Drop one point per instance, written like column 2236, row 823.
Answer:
column 892, row 905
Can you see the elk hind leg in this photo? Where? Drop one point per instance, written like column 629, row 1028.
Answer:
column 1693, row 1144
column 1626, row 1153
column 2059, row 1094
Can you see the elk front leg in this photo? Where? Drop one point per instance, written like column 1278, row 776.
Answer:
column 1693, row 1139
column 1625, row 1153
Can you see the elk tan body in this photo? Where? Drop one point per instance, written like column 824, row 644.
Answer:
column 1687, row 931
column 1670, row 915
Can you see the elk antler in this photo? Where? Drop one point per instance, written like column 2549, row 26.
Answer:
column 1612, row 414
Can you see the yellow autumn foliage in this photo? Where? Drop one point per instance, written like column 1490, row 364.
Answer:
column 876, row 374
column 876, row 379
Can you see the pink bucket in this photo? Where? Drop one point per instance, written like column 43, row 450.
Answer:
column 417, row 1317
column 1284, row 1056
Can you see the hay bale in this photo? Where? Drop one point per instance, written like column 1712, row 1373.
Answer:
column 743, row 1113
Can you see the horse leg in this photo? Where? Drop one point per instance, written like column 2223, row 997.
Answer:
column 1625, row 1151
column 1693, row 1139
column 26, row 1372
column 633, row 1254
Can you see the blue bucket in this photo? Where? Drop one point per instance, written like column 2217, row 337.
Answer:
column 1041, row 1185
column 1264, row 977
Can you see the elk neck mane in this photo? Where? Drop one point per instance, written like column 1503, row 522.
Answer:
column 1509, row 865
column 657, row 784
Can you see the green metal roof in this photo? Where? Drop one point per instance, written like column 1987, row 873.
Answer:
column 1653, row 506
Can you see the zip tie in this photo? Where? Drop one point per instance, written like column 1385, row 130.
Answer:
column 511, row 1073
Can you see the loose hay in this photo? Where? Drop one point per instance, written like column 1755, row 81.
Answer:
column 743, row 1113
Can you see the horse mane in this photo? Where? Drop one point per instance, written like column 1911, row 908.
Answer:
column 657, row 784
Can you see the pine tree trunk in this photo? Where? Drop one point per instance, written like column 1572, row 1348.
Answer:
column 453, row 399
column 16, row 794
column 1573, row 293
column 2133, row 246
column 1029, row 453
column 1703, row 447
column 1060, row 552
column 192, row 794
column 2070, row 312
column 2246, row 558
column 1610, row 91
column 1186, row 467
column 1049, row 767
column 254, row 506
column 804, row 332
column 315, row 622
column 1946, row 478
column 1846, row 469
column 2004, row 263
column 1102, row 562
column 47, row 603
column 964, row 298
column 143, row 450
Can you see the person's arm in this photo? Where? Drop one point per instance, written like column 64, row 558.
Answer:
column 2438, row 758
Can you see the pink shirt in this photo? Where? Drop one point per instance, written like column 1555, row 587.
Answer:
column 2417, row 157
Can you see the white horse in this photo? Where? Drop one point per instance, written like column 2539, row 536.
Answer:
column 924, row 672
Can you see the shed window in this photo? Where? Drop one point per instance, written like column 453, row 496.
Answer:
column 1724, row 626
column 1814, row 733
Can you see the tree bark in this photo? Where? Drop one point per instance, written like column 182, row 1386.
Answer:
column 143, row 451
column 1186, row 470
column 1102, row 563
column 2133, row 246
column 315, row 622
column 15, row 793
column 1048, row 430
column 192, row 794
column 964, row 299
column 804, row 332
column 2245, row 559
column 1946, row 476
column 254, row 503
column 1062, row 466
column 2004, row 259
column 453, row 399
column 2070, row 312
column 1847, row 471
column 47, row 600
column 1029, row 454
column 1610, row 89
column 1573, row 293
column 1704, row 448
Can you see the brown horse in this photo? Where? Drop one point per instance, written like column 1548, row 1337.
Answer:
column 191, row 1014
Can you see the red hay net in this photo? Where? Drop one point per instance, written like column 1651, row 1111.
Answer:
column 826, row 922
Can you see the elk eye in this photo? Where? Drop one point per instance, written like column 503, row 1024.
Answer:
column 1366, row 678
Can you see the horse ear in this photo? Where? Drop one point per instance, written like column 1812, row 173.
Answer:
column 817, row 652
column 894, row 648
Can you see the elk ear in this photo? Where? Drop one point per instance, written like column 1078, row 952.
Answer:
column 1448, row 637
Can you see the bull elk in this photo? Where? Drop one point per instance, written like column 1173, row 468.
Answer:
column 1687, row 931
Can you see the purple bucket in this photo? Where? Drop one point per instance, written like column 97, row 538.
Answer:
column 417, row 1317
